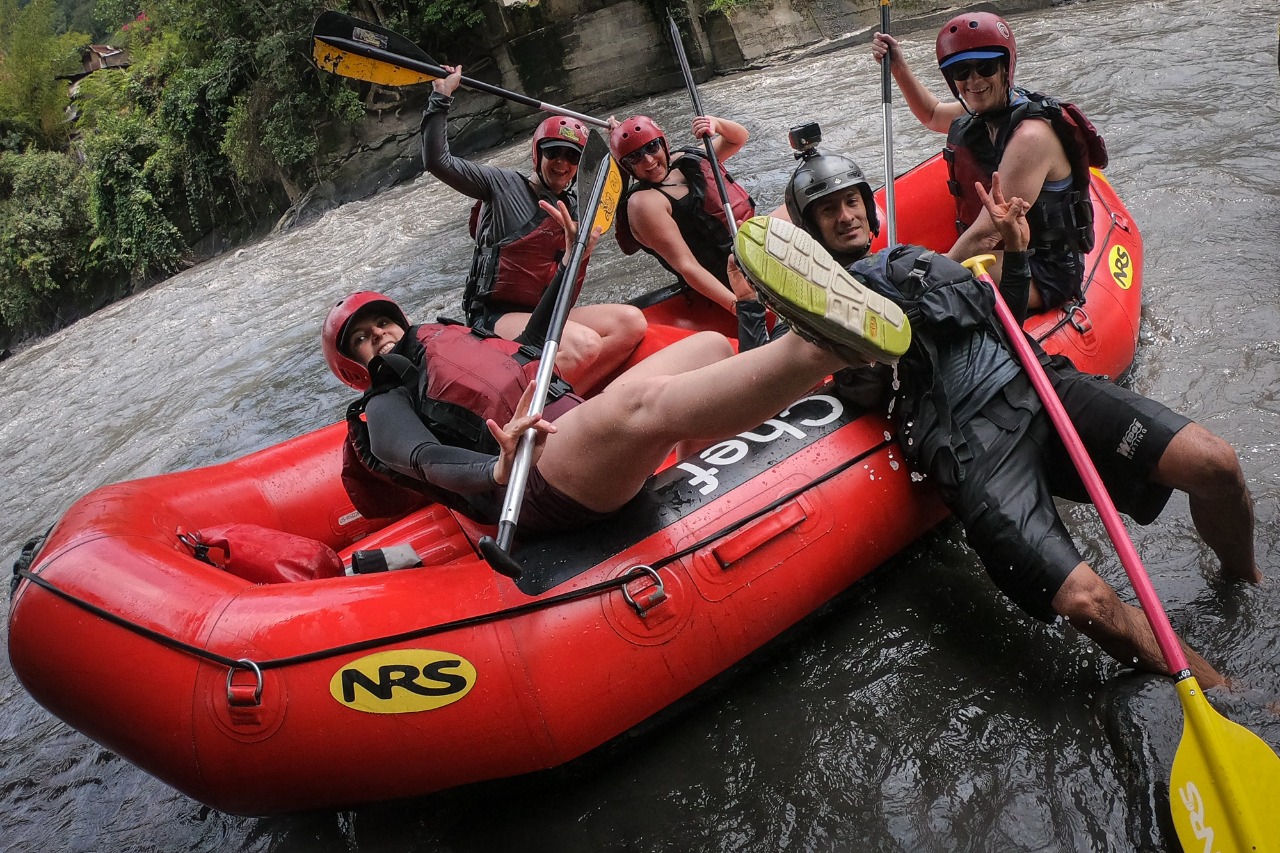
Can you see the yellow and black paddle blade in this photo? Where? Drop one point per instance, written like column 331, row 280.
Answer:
column 608, row 208
column 353, row 48
column 350, row 47
column 1224, row 790
column 344, row 63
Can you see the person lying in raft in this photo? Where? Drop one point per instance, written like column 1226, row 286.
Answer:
column 968, row 417
column 673, row 209
column 518, row 247
column 444, row 406
column 1041, row 147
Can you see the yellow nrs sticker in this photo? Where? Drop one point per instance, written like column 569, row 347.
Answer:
column 403, row 681
column 1120, row 262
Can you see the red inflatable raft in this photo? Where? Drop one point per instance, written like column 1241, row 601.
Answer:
column 258, row 698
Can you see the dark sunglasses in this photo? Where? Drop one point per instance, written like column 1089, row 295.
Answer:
column 652, row 147
column 560, row 152
column 982, row 67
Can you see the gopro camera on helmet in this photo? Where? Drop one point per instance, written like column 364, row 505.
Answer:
column 804, row 139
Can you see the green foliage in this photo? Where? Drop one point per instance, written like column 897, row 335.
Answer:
column 435, row 24
column 32, row 100
column 45, row 234
column 133, row 170
column 216, row 120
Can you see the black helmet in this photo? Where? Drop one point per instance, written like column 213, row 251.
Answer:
column 819, row 175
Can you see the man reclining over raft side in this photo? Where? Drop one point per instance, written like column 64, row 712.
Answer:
column 968, row 417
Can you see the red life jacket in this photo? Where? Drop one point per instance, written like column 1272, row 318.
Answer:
column 699, row 215
column 513, row 272
column 458, row 378
column 1061, row 220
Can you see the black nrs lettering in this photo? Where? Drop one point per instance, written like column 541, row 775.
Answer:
column 1121, row 264
column 393, row 675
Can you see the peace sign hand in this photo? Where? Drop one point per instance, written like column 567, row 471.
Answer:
column 508, row 437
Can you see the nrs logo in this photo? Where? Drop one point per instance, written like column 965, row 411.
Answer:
column 804, row 416
column 403, row 681
column 1121, row 264
column 1194, row 804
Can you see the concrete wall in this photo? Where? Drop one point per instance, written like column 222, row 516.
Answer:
column 602, row 52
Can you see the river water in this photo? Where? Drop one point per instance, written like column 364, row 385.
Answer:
column 921, row 712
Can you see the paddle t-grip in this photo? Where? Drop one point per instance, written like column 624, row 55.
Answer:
column 498, row 558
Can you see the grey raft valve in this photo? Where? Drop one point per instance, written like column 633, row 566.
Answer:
column 384, row 560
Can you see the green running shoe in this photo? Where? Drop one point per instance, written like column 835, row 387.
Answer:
column 800, row 280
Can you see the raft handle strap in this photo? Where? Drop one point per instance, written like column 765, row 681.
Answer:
column 239, row 695
column 654, row 595
column 198, row 549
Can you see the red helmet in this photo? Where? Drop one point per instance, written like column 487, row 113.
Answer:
column 981, row 33
column 344, row 366
column 633, row 134
column 560, row 129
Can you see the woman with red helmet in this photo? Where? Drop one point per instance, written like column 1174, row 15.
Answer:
column 444, row 408
column 518, row 248
column 673, row 210
column 1036, row 143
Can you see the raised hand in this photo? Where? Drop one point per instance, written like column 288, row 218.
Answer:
column 448, row 85
column 508, row 437
column 560, row 213
column 1009, row 215
column 882, row 45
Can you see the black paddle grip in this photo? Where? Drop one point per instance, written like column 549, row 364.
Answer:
column 498, row 559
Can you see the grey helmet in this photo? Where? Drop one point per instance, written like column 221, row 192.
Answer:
column 820, row 175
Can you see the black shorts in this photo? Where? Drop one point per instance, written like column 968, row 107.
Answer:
column 1006, row 500
column 1058, row 275
column 488, row 316
column 546, row 509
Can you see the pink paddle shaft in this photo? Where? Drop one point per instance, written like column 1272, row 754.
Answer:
column 1158, row 619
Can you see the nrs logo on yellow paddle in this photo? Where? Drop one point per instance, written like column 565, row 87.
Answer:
column 1191, row 799
column 1120, row 262
column 403, row 681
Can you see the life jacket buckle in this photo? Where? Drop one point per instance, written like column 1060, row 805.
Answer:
column 528, row 353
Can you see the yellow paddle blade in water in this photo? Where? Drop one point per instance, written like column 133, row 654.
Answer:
column 1224, row 790
column 344, row 63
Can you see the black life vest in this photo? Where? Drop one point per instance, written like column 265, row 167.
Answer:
column 699, row 214
column 1061, row 220
column 513, row 270
column 947, row 307
column 458, row 377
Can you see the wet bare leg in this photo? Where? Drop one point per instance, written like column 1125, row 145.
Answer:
column 1208, row 470
column 1121, row 630
column 596, row 340
column 606, row 448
